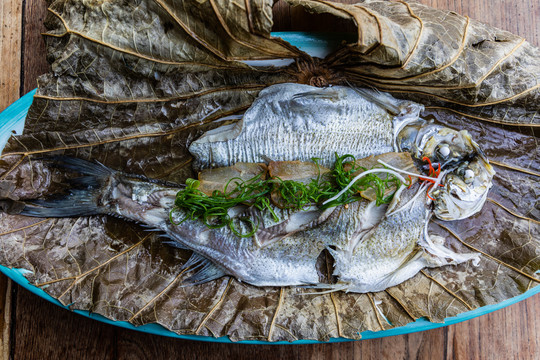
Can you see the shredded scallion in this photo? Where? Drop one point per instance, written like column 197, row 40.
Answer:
column 334, row 189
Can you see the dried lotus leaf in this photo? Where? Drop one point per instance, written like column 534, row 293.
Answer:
column 134, row 104
column 437, row 56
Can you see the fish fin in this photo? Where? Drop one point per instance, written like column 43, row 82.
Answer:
column 411, row 265
column 194, row 259
column 298, row 221
column 327, row 94
column 383, row 100
column 85, row 167
column 173, row 243
column 441, row 255
column 372, row 216
column 77, row 203
column 203, row 269
column 221, row 133
column 436, row 254
column 265, row 238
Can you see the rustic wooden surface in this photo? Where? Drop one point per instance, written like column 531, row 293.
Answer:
column 33, row 328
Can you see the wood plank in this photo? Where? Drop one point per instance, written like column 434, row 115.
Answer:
column 5, row 315
column 34, row 61
column 10, row 55
column 521, row 17
column 46, row 331
column 68, row 335
column 10, row 51
column 499, row 335
column 518, row 16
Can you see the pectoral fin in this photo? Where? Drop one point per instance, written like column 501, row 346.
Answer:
column 203, row 270
column 436, row 254
column 298, row 221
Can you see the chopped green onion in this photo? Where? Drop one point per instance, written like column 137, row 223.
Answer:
column 334, row 191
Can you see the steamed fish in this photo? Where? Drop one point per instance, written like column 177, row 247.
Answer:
column 373, row 247
column 300, row 122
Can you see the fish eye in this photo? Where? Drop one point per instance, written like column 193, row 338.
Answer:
column 444, row 150
column 468, row 176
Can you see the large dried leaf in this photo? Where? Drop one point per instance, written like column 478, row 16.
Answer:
column 132, row 83
column 415, row 49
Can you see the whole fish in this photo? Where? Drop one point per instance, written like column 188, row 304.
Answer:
column 301, row 122
column 371, row 247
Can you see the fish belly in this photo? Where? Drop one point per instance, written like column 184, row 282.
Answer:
column 388, row 254
column 284, row 263
column 299, row 122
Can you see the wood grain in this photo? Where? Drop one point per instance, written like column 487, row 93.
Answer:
column 5, row 315
column 10, row 81
column 521, row 17
column 46, row 331
column 42, row 330
column 35, row 12
column 10, row 51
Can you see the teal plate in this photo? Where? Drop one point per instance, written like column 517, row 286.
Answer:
column 12, row 121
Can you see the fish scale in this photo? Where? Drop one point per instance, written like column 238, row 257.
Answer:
column 386, row 248
column 300, row 122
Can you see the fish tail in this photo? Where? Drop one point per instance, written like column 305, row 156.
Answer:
column 83, row 199
column 103, row 191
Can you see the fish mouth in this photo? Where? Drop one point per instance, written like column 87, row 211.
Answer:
column 467, row 173
column 440, row 144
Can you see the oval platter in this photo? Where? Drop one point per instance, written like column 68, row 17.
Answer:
column 316, row 44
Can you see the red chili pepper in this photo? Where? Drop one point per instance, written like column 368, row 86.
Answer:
column 431, row 169
column 427, row 192
column 410, row 182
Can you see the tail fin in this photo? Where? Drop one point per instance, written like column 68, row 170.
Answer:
column 83, row 201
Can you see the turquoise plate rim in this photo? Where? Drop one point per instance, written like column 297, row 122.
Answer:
column 12, row 119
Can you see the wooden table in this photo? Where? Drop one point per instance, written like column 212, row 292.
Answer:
column 33, row 328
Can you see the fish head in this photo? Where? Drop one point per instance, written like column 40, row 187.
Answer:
column 465, row 190
column 468, row 174
column 449, row 146
column 440, row 144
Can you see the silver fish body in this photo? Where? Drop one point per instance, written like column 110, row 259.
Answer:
column 388, row 247
column 301, row 122
column 372, row 247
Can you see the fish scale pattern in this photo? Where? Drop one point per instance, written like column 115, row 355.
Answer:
column 301, row 122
